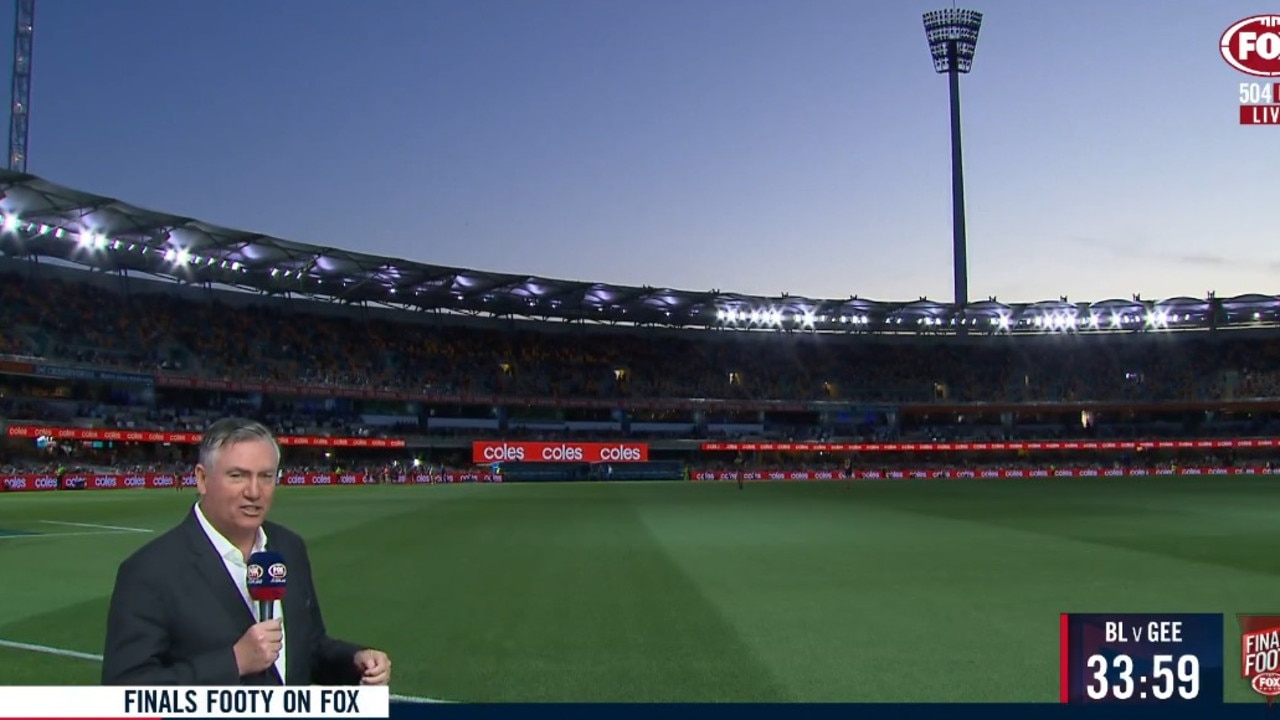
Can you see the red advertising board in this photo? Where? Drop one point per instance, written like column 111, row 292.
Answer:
column 487, row 451
column 186, row 438
column 127, row 481
column 153, row 481
column 986, row 473
column 993, row 446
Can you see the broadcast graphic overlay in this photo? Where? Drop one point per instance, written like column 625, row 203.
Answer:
column 1260, row 652
column 149, row 703
column 1252, row 47
column 1143, row 659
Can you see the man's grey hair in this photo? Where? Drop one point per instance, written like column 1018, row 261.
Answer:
column 229, row 431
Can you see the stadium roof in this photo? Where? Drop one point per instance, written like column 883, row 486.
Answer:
column 41, row 219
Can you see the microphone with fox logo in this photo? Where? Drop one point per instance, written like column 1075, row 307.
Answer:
column 266, row 580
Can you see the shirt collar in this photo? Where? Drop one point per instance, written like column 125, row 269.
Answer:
column 222, row 545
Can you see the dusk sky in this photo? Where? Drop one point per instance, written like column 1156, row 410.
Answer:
column 756, row 146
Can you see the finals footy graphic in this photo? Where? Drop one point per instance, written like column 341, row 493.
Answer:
column 1260, row 653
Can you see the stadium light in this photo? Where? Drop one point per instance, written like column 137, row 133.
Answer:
column 953, row 39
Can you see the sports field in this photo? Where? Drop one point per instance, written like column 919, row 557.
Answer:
column 694, row 592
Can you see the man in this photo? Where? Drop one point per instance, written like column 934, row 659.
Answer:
column 180, row 613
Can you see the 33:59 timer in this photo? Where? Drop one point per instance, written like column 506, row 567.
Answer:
column 1169, row 676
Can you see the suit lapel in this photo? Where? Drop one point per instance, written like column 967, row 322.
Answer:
column 213, row 572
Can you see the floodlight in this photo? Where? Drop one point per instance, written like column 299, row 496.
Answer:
column 953, row 38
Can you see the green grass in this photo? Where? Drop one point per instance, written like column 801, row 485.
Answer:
column 697, row 592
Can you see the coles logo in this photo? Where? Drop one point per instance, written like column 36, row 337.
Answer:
column 295, row 480
column 1252, row 46
column 561, row 453
column 162, row 481
column 347, row 480
column 46, row 483
column 1267, row 683
column 134, row 481
column 104, row 481
column 502, row 452
column 620, row 453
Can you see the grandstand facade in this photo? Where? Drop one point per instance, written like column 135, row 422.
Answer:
column 114, row 318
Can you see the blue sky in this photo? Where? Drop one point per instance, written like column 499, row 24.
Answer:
column 758, row 146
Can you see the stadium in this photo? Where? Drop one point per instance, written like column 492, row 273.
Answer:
column 616, row 493
column 533, row 489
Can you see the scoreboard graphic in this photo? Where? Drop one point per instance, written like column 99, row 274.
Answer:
column 1149, row 659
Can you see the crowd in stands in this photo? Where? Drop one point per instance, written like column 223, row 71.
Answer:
column 335, row 423
column 86, row 323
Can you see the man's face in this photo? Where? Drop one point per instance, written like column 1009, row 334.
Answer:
column 236, row 492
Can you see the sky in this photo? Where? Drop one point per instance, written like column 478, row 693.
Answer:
column 754, row 146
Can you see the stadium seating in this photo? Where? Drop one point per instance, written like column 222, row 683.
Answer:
column 142, row 327
column 85, row 323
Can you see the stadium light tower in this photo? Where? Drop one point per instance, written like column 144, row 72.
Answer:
column 24, row 20
column 953, row 39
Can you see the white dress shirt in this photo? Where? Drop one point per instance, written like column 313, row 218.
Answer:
column 238, row 569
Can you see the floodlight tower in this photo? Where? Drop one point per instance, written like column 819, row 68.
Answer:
column 24, row 17
column 953, row 39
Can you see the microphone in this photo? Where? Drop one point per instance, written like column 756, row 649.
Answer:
column 266, row 580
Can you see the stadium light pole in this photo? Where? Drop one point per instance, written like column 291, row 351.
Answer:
column 953, row 39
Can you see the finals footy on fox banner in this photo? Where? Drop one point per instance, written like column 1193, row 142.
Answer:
column 106, row 703
column 1260, row 653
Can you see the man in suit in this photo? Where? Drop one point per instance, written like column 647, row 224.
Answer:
column 180, row 613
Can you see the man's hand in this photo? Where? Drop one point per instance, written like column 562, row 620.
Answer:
column 258, row 649
column 374, row 667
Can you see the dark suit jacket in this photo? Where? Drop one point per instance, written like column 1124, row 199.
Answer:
column 175, row 616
